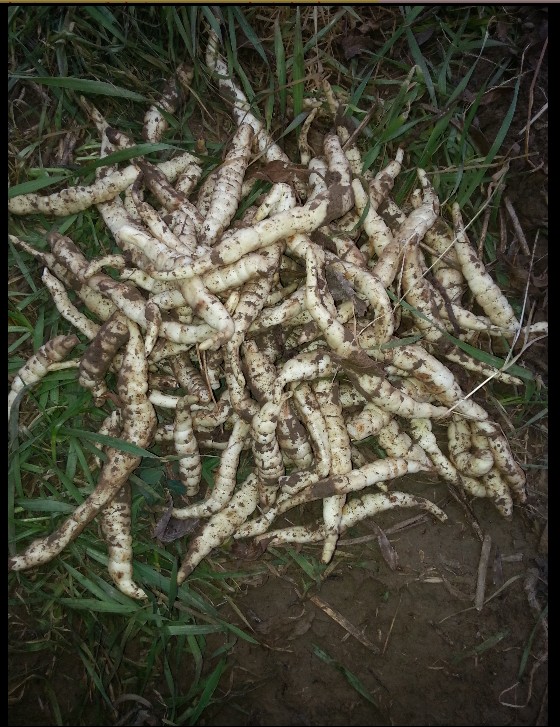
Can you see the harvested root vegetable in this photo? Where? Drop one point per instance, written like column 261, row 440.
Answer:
column 357, row 509
column 172, row 95
column 272, row 327
column 116, row 529
column 100, row 353
column 227, row 188
column 487, row 293
column 76, row 199
column 138, row 427
column 224, row 483
column 220, row 526
column 39, row 364
column 341, row 461
column 186, row 447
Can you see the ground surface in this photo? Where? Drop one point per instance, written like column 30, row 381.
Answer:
column 430, row 657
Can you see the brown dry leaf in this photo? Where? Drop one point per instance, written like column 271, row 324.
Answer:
column 424, row 35
column 247, row 551
column 354, row 44
column 389, row 554
column 341, row 290
column 170, row 528
column 344, row 622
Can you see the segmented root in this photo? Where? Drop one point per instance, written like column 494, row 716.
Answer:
column 38, row 365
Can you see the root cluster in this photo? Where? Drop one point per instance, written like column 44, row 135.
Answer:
column 314, row 319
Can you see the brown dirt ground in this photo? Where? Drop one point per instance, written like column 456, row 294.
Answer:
column 433, row 658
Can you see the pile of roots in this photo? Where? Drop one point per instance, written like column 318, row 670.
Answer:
column 294, row 327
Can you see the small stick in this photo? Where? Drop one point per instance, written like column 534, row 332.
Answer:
column 342, row 621
column 503, row 233
column 535, row 117
column 391, row 626
column 516, row 226
column 485, row 223
column 358, row 130
column 410, row 522
column 531, row 97
column 482, row 568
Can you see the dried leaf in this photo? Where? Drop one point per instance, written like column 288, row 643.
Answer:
column 354, row 44
column 341, row 290
column 389, row 554
column 170, row 528
column 424, row 35
column 247, row 551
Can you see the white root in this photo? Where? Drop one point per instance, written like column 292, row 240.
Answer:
column 76, row 199
column 421, row 430
column 368, row 475
column 314, row 421
column 503, row 459
column 356, row 510
column 368, row 422
column 220, row 526
column 379, row 391
column 190, row 468
column 384, row 181
column 240, row 106
column 97, row 359
column 488, row 295
column 380, row 237
column 469, row 459
column 498, row 490
column 397, row 443
column 227, row 188
column 139, row 424
column 261, row 376
column 172, row 95
column 38, row 365
column 479, row 367
column 320, row 304
column 341, row 461
column 225, row 478
column 190, row 379
column 266, row 451
column 111, row 427
column 66, row 308
column 436, row 377
column 116, row 520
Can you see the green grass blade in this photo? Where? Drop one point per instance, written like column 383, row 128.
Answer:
column 110, row 441
column 35, row 184
column 280, row 55
column 103, row 15
column 352, row 679
column 527, row 650
column 84, row 85
column 466, row 190
column 312, row 42
column 249, row 32
column 209, row 689
column 92, row 604
column 481, row 648
column 423, row 65
column 191, row 629
column 39, row 504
